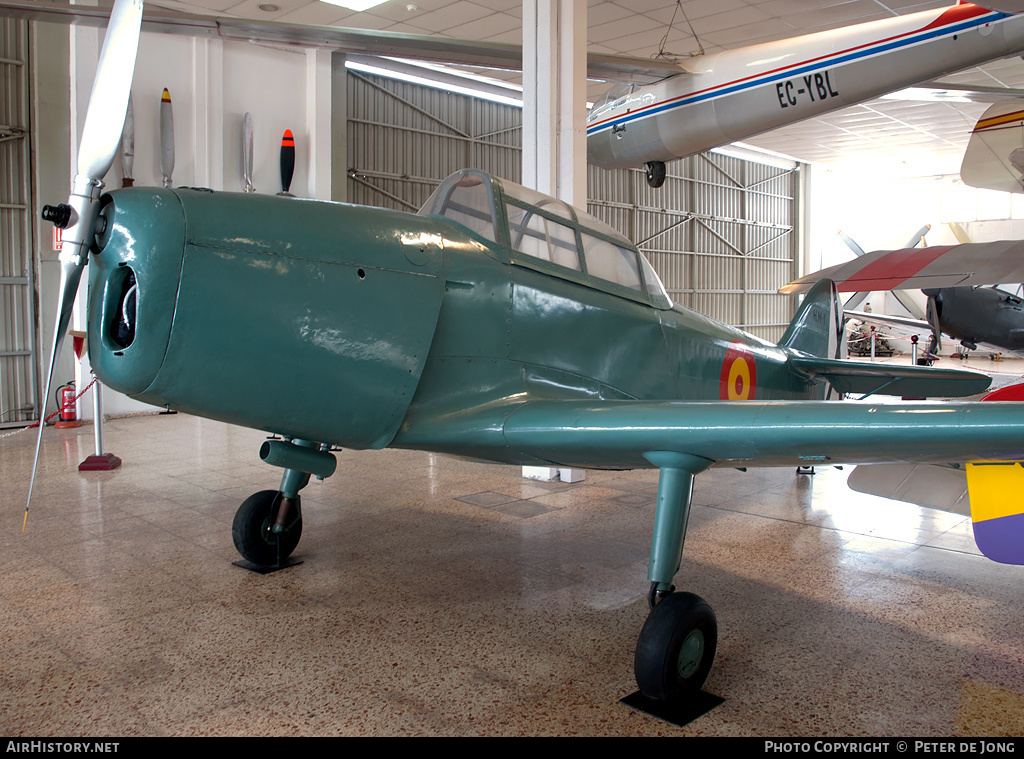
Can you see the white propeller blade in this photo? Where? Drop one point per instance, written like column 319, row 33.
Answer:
column 110, row 90
column 101, row 136
column 247, row 152
column 166, row 137
column 128, row 146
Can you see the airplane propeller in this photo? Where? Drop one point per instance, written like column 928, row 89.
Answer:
column 166, row 137
column 104, row 125
column 932, row 310
column 287, row 162
column 247, row 152
column 904, row 300
column 128, row 146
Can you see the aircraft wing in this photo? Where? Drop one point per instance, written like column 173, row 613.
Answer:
column 621, row 434
column 369, row 42
column 986, row 491
column 624, row 434
column 986, row 263
column 938, row 92
column 935, row 487
column 995, row 153
column 1006, row 6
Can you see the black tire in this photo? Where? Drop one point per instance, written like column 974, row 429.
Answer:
column 655, row 172
column 251, row 533
column 676, row 648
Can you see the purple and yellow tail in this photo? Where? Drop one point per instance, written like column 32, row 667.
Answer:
column 997, row 509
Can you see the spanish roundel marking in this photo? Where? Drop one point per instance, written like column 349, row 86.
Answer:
column 738, row 381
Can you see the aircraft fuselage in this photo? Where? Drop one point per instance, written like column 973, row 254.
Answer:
column 739, row 93
column 331, row 322
column 979, row 315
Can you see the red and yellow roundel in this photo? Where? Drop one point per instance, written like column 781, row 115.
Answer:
column 738, row 381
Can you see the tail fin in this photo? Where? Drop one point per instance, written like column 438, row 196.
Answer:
column 998, row 517
column 817, row 327
column 994, row 159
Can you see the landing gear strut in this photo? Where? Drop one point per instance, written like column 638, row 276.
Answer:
column 268, row 524
column 655, row 172
column 678, row 641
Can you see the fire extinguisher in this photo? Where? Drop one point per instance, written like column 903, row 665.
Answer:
column 68, row 406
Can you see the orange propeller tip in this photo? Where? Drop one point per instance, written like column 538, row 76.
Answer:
column 287, row 140
column 166, row 96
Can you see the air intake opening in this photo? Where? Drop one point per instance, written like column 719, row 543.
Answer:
column 122, row 328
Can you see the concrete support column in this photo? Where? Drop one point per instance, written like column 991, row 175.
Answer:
column 208, row 114
column 554, row 118
column 319, row 120
column 339, row 128
column 555, row 98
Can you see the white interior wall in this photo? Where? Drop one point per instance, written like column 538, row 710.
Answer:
column 212, row 84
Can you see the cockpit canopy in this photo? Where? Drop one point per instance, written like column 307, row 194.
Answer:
column 614, row 98
column 542, row 228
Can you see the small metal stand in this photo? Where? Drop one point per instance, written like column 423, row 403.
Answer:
column 266, row 569
column 678, row 713
column 99, row 461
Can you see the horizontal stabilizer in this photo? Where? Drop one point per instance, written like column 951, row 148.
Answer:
column 863, row 377
column 997, row 510
column 994, row 159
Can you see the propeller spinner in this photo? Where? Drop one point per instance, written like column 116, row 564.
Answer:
column 101, row 137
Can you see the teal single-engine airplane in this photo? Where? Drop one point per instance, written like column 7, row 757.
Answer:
column 440, row 331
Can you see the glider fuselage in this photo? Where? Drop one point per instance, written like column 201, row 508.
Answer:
column 739, row 93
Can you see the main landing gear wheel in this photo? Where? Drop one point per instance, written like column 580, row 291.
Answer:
column 676, row 648
column 655, row 172
column 252, row 529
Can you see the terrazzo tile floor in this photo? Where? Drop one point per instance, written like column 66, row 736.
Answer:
column 441, row 597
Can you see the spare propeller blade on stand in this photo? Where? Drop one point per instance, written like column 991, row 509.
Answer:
column 932, row 311
column 104, row 124
column 247, row 152
column 166, row 137
column 128, row 146
column 287, row 162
